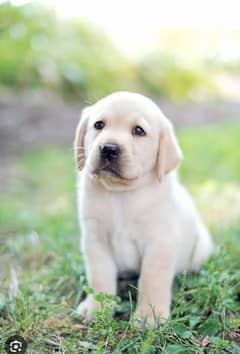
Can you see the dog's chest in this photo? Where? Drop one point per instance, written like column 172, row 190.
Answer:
column 125, row 240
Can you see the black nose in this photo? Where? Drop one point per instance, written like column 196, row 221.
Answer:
column 110, row 151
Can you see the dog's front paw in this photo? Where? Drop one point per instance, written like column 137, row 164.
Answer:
column 150, row 316
column 88, row 308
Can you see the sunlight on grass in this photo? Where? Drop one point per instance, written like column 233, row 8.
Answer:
column 218, row 201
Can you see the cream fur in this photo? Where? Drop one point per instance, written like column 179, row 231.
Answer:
column 143, row 221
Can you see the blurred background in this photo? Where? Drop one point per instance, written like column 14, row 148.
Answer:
column 57, row 57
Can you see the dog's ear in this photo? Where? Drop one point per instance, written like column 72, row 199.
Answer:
column 79, row 148
column 169, row 151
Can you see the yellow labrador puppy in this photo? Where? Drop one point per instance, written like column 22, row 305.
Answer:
column 134, row 213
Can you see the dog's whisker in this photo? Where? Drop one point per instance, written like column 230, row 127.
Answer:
column 78, row 148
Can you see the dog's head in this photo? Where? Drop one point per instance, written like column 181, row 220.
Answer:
column 124, row 137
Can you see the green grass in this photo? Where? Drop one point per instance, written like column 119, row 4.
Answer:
column 39, row 242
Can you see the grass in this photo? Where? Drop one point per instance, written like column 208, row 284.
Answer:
column 39, row 251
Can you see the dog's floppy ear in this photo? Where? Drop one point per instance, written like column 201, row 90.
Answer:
column 79, row 149
column 169, row 152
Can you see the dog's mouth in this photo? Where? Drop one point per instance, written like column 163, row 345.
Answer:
column 111, row 171
column 108, row 168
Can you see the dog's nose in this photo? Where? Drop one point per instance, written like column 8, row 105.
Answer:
column 110, row 151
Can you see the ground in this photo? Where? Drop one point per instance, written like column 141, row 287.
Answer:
column 42, row 273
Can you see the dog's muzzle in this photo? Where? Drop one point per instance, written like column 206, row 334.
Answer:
column 109, row 152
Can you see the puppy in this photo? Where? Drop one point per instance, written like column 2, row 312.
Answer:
column 134, row 213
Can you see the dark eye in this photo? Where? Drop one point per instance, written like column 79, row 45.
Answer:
column 138, row 131
column 99, row 125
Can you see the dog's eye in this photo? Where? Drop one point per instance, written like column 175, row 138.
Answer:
column 138, row 131
column 99, row 125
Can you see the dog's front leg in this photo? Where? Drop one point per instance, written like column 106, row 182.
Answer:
column 155, row 283
column 101, row 275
